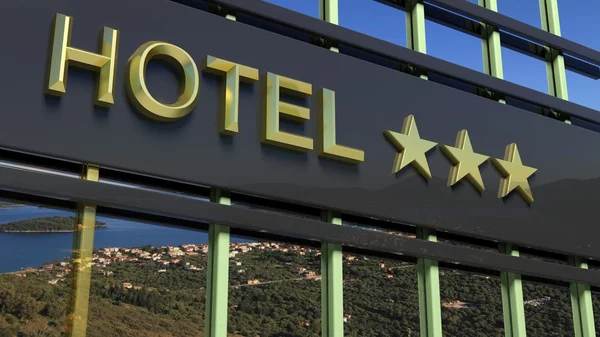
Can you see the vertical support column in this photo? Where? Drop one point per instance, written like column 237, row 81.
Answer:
column 329, row 11
column 512, row 298
column 427, row 270
column 555, row 62
column 491, row 47
column 430, row 311
column 332, row 285
column 415, row 27
column 581, row 297
column 217, row 283
column 332, row 277
column 81, row 264
column 581, row 302
column 512, row 289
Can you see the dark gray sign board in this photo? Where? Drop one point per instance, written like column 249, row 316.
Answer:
column 369, row 100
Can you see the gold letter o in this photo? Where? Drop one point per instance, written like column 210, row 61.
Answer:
column 138, row 91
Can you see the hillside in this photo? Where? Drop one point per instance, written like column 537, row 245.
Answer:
column 274, row 292
column 46, row 224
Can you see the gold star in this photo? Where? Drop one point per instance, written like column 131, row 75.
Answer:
column 412, row 147
column 514, row 173
column 466, row 162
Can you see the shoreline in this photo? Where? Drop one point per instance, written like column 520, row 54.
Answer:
column 51, row 231
column 44, row 231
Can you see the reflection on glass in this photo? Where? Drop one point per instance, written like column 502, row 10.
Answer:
column 358, row 223
column 453, row 46
column 35, row 248
column 381, row 297
column 524, row 70
column 525, row 11
column 583, row 90
column 374, row 19
column 547, row 310
column 147, row 280
column 275, row 289
column 471, row 304
column 454, row 242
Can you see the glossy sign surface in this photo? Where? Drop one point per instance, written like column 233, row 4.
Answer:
column 369, row 100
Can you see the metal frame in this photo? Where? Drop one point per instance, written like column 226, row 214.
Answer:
column 324, row 34
column 559, row 53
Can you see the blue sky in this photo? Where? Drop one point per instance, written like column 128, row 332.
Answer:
column 580, row 22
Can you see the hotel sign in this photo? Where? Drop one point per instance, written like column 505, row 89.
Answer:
column 203, row 99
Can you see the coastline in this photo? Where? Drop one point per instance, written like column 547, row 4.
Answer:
column 44, row 231
column 11, row 206
column 40, row 231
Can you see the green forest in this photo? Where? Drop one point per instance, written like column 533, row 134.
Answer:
column 45, row 224
column 151, row 298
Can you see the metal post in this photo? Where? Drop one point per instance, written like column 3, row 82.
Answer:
column 332, row 285
column 555, row 62
column 427, row 270
column 217, row 285
column 512, row 289
column 512, row 299
column 332, row 278
column 581, row 302
column 430, row 311
column 581, row 297
column 81, row 264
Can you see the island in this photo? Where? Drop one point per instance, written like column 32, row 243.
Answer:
column 7, row 205
column 54, row 224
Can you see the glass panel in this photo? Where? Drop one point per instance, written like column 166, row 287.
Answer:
column 542, row 256
column 526, row 11
column 374, row 19
column 583, row 90
column 379, row 226
column 381, row 297
column 35, row 246
column 577, row 20
column 524, row 70
column 547, row 310
column 471, row 304
column 147, row 280
column 308, row 7
column 453, row 46
column 275, row 289
column 456, row 241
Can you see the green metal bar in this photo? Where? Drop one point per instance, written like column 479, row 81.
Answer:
column 491, row 47
column 415, row 27
column 332, row 285
column 332, row 277
column 329, row 11
column 217, row 285
column 430, row 312
column 511, row 287
column 581, row 296
column 512, row 298
column 81, row 263
column 555, row 63
column 581, row 301
column 217, row 282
